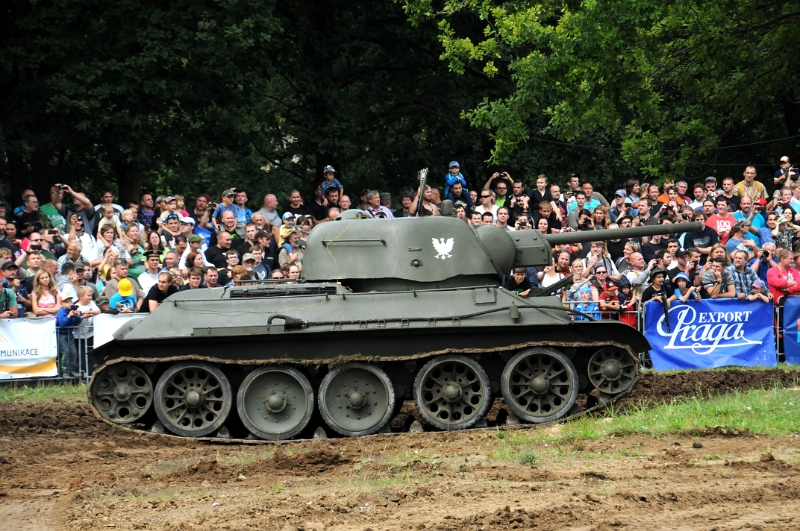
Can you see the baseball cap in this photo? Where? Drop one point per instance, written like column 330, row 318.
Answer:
column 610, row 286
column 194, row 238
column 173, row 216
column 187, row 219
column 682, row 275
column 8, row 264
column 386, row 196
column 2, row 203
column 68, row 292
column 761, row 201
column 248, row 256
column 621, row 192
column 785, row 158
column 680, row 253
column 758, row 283
column 102, row 299
column 287, row 215
column 125, row 288
column 228, row 193
column 328, row 169
column 453, row 164
column 66, row 295
column 740, row 223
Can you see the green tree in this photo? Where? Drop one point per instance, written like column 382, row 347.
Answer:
column 670, row 82
column 101, row 92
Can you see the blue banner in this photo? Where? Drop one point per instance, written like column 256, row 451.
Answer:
column 791, row 329
column 710, row 333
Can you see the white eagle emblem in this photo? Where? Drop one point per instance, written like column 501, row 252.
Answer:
column 443, row 247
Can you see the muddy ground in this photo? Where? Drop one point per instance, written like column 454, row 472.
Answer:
column 60, row 468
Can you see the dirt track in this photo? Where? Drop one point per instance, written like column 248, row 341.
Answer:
column 63, row 469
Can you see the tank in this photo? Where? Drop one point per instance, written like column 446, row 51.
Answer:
column 386, row 311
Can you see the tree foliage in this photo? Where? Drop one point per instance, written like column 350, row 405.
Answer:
column 671, row 82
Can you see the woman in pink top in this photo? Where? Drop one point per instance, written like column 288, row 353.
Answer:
column 46, row 300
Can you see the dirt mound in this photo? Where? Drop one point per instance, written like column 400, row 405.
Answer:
column 49, row 416
column 304, row 464
column 766, row 463
column 659, row 388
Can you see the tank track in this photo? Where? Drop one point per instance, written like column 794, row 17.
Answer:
column 603, row 400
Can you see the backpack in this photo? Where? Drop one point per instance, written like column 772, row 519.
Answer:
column 5, row 300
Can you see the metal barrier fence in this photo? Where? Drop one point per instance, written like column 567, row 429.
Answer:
column 70, row 344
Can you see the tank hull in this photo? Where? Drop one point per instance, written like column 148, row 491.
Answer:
column 398, row 333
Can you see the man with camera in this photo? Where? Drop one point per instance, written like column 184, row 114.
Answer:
column 752, row 215
column 577, row 207
column 786, row 174
column 78, row 234
column 501, row 187
column 29, row 219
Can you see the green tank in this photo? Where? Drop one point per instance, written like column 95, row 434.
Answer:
column 386, row 311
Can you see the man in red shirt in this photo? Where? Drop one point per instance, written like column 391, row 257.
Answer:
column 722, row 221
column 783, row 279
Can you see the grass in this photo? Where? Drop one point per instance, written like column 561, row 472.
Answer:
column 770, row 412
column 42, row 392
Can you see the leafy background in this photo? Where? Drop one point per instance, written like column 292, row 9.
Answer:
column 197, row 96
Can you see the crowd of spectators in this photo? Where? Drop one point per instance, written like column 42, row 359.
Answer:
column 72, row 259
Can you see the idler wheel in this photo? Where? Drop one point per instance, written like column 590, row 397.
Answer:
column 452, row 392
column 121, row 393
column 193, row 399
column 612, row 370
column 356, row 399
column 275, row 403
column 539, row 384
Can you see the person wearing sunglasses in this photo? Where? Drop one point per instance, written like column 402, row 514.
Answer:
column 486, row 202
column 501, row 183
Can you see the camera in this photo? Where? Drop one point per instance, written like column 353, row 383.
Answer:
column 35, row 247
column 52, row 232
column 64, row 187
column 523, row 222
column 213, row 206
column 766, row 254
column 73, row 308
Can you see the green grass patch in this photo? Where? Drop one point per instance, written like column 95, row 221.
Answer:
column 771, row 412
column 42, row 392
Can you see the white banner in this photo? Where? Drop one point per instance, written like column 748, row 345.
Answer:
column 106, row 324
column 28, row 348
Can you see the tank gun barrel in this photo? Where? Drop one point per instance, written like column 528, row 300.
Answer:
column 615, row 234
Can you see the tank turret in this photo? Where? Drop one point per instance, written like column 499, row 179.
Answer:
column 415, row 253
